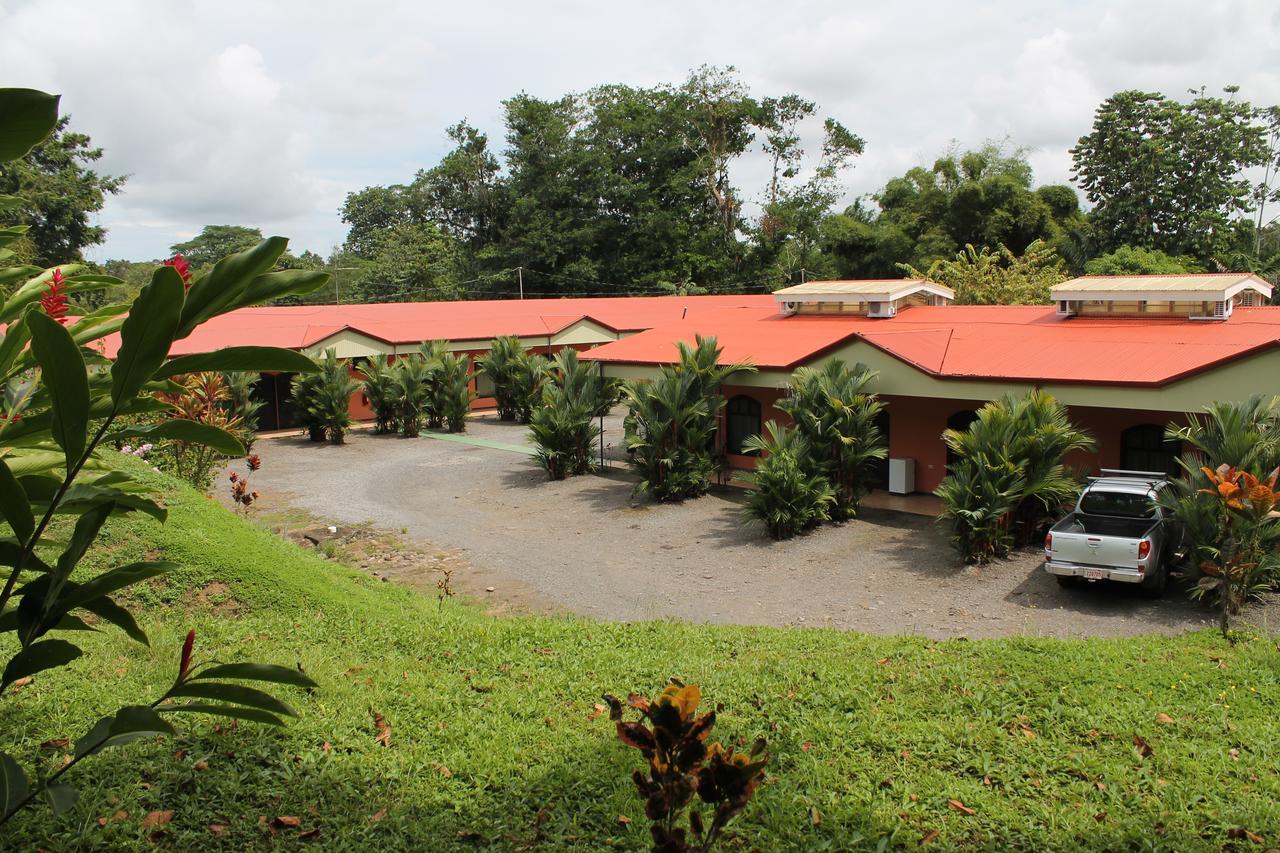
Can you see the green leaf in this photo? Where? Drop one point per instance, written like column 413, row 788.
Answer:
column 86, row 530
column 15, row 338
column 147, row 333
column 236, row 693
column 82, row 496
column 10, row 202
column 237, row 712
column 63, row 374
column 194, row 432
column 130, row 723
column 14, row 506
column 256, row 672
column 224, row 286
column 38, row 657
column 9, row 552
column 14, row 787
column 62, row 797
column 27, row 116
column 68, row 622
column 111, row 581
column 105, row 608
column 273, row 285
column 232, row 359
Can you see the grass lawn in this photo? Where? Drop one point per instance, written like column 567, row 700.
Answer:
column 495, row 740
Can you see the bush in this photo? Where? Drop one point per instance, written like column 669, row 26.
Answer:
column 379, row 387
column 412, row 378
column 837, row 417
column 305, row 388
column 790, row 496
column 329, row 400
column 564, row 426
column 204, row 399
column 432, row 353
column 1009, row 478
column 528, row 373
column 451, row 394
column 502, row 364
column 242, row 406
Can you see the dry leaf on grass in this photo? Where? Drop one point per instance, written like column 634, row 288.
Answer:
column 155, row 819
column 217, row 828
column 378, row 815
column 1144, row 748
column 56, row 743
column 815, row 816
column 956, row 805
column 596, row 712
column 806, row 746
column 442, row 770
column 115, row 818
column 384, row 729
column 1241, row 832
column 1164, row 719
column 929, row 837
column 623, row 819
column 286, row 821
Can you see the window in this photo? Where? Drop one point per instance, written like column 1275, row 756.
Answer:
column 742, row 420
column 1144, row 448
column 484, row 383
column 959, row 422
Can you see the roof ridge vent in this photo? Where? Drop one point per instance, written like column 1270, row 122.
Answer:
column 878, row 298
column 1190, row 296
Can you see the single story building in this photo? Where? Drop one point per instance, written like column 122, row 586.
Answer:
column 1127, row 355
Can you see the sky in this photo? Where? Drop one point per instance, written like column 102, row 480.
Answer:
column 268, row 113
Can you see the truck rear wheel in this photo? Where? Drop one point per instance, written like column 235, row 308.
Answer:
column 1153, row 585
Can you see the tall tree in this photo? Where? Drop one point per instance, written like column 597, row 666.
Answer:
column 1167, row 175
column 60, row 190
column 214, row 242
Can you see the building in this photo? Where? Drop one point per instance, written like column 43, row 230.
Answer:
column 1127, row 355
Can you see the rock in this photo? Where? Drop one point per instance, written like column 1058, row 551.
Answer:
column 488, row 589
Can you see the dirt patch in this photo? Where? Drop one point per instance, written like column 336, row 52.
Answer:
column 587, row 546
column 216, row 597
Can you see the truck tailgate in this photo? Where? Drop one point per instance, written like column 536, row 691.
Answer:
column 1095, row 550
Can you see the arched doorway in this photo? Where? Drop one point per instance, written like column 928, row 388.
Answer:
column 742, row 420
column 960, row 421
column 1145, row 448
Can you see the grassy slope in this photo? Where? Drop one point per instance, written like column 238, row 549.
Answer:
column 491, row 736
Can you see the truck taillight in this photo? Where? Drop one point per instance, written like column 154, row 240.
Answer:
column 1048, row 541
column 1144, row 549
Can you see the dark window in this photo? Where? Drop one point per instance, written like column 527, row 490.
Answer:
column 1121, row 504
column 882, row 465
column 959, row 422
column 276, row 394
column 1145, row 448
column 742, row 420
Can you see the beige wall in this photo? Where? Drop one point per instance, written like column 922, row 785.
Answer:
column 349, row 344
column 582, row 332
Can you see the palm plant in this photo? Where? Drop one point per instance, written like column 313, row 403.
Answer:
column 837, row 416
column 242, row 406
column 1233, row 557
column 563, row 427
column 671, row 430
column 379, row 387
column 433, row 352
column 1009, row 477
column 502, row 364
column 451, row 391
column 528, row 374
column 330, row 403
column 410, row 381
column 304, row 388
column 790, row 494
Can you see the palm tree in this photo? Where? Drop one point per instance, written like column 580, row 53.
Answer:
column 411, row 377
column 671, row 428
column 501, row 364
column 451, row 393
column 563, row 426
column 528, row 372
column 304, row 388
column 837, row 415
column 330, row 403
column 379, row 388
column 790, row 494
column 432, row 353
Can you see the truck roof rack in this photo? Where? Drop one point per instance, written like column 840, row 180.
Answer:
column 1151, row 478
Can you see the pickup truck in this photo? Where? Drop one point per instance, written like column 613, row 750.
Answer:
column 1117, row 532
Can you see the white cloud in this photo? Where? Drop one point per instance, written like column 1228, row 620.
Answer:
column 268, row 114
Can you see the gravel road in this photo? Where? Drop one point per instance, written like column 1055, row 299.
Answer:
column 583, row 545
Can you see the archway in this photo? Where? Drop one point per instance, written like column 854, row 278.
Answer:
column 1145, row 448
column 742, row 420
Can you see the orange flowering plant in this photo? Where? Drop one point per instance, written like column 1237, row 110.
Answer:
column 672, row 737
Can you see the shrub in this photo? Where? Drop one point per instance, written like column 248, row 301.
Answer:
column 379, row 388
column 527, row 376
column 681, row 765
column 204, row 399
column 433, row 353
column 411, row 379
column 242, row 405
column 305, row 388
column 451, row 397
column 1009, row 478
column 61, row 419
column 790, row 495
column 502, row 364
column 564, row 427
column 329, row 403
column 837, row 417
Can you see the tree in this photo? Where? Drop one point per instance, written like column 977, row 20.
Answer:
column 564, row 427
column 57, row 191
column 215, row 242
column 789, row 494
column 330, row 402
column 999, row 277
column 1167, row 175
column 1135, row 260
column 379, row 387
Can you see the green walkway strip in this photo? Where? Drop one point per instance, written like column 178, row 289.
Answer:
column 526, row 449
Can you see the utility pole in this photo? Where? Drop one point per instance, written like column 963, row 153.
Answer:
column 802, row 275
column 336, row 270
column 520, row 278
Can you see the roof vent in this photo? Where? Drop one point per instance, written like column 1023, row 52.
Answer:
column 1196, row 296
column 878, row 298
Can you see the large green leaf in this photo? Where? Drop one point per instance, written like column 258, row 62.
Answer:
column 62, row 797
column 223, row 287
column 14, row 787
column 273, row 285
column 129, row 724
column 82, row 496
column 194, row 432
column 14, row 507
column 38, row 657
column 235, row 693
column 105, row 608
column 147, row 333
column 235, row 359
column 33, row 289
column 256, row 672
column 63, row 373
column 111, row 581
column 14, row 339
column 27, row 116
column 234, row 711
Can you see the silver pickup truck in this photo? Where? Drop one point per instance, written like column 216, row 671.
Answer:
column 1117, row 532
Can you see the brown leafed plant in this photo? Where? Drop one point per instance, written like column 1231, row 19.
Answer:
column 684, row 768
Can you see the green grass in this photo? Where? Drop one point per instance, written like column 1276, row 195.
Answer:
column 492, row 744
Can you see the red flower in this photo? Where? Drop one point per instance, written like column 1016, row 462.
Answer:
column 253, row 461
column 185, row 665
column 54, row 301
column 234, row 476
column 181, row 266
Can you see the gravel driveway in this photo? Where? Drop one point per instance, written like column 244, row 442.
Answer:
column 583, row 545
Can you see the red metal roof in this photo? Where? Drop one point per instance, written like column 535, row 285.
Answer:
column 295, row 327
column 1017, row 343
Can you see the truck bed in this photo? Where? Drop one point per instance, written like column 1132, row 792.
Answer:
column 1103, row 525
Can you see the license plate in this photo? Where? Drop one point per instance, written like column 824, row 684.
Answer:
column 1095, row 574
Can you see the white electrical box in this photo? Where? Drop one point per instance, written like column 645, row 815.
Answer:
column 902, row 476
